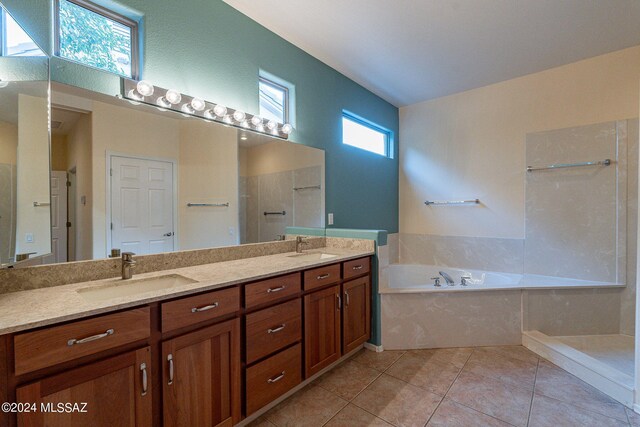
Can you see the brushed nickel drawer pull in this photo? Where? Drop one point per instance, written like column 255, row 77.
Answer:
column 73, row 341
column 170, row 360
column 323, row 276
column 276, row 379
column 143, row 369
column 358, row 267
column 278, row 289
column 346, row 298
column 205, row 308
column 278, row 329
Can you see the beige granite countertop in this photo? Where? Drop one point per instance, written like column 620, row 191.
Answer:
column 45, row 306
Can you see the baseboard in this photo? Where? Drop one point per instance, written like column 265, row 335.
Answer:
column 373, row 347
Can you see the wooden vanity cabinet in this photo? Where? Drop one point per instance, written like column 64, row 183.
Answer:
column 356, row 313
column 201, row 377
column 322, row 329
column 117, row 392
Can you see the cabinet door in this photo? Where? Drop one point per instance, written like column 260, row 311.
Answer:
column 356, row 329
column 201, row 377
column 113, row 392
column 322, row 329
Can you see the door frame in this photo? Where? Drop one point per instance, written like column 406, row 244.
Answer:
column 108, row 216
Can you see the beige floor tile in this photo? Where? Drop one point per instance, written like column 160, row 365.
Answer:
column 378, row 361
column 514, row 351
column 397, row 402
column 348, row 379
column 557, row 383
column 548, row 412
column 634, row 418
column 352, row 416
column 492, row 397
column 423, row 372
column 312, row 406
column 261, row 422
column 452, row 414
column 512, row 371
column 456, row 356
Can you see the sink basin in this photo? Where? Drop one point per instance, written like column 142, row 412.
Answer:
column 123, row 288
column 313, row 256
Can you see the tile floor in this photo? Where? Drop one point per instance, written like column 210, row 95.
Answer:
column 466, row 387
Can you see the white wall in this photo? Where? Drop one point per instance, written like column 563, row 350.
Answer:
column 471, row 144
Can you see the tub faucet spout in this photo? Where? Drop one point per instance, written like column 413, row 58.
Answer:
column 447, row 278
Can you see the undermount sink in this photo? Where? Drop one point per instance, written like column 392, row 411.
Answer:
column 313, row 256
column 124, row 288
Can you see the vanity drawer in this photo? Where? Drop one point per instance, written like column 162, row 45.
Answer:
column 270, row 379
column 191, row 310
column 355, row 267
column 321, row 276
column 271, row 290
column 273, row 328
column 58, row 344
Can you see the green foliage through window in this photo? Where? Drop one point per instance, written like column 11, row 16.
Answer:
column 94, row 40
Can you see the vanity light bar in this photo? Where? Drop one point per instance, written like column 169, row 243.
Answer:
column 146, row 93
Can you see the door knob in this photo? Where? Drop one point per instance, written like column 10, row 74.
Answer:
column 169, row 234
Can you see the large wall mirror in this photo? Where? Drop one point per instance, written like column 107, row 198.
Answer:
column 25, row 202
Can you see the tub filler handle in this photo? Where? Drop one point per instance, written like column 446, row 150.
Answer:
column 436, row 282
column 464, row 279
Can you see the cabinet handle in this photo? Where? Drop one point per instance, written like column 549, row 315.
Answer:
column 346, row 298
column 143, row 369
column 278, row 289
column 276, row 379
column 73, row 341
column 205, row 308
column 278, row 329
column 170, row 360
column 323, row 276
column 358, row 267
column 339, row 301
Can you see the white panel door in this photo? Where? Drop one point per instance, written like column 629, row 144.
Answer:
column 58, row 216
column 142, row 199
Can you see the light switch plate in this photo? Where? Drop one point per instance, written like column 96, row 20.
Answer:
column 330, row 219
column 28, row 237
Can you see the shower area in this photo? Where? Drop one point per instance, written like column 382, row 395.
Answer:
column 581, row 201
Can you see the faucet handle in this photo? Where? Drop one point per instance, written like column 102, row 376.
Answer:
column 127, row 256
column 463, row 280
column 436, row 281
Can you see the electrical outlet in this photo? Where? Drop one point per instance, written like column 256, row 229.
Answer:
column 330, row 220
column 28, row 237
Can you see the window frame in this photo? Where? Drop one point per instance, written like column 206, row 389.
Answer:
column 284, row 89
column 388, row 134
column 109, row 14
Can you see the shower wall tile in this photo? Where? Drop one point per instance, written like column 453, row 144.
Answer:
column 394, row 250
column 461, row 319
column 242, row 208
column 481, row 253
column 573, row 311
column 571, row 215
column 275, row 195
column 307, row 203
column 253, row 208
column 628, row 297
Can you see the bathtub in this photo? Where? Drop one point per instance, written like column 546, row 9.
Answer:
column 416, row 278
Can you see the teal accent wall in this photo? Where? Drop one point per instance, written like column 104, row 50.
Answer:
column 208, row 49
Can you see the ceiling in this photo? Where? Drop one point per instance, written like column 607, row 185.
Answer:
column 408, row 51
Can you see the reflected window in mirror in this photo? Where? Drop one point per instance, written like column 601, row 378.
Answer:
column 97, row 37
column 275, row 98
column 15, row 41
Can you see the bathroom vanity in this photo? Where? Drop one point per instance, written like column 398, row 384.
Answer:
column 211, row 350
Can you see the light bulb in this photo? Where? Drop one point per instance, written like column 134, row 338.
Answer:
column 256, row 120
column 220, row 110
column 187, row 108
column 287, row 128
column 133, row 94
column 271, row 125
column 209, row 114
column 162, row 102
column 144, row 88
column 173, row 96
column 238, row 116
column 198, row 104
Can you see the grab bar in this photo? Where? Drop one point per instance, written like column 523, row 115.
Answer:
column 311, row 187
column 275, row 213
column 452, row 202
column 37, row 204
column 605, row 162
column 191, row 205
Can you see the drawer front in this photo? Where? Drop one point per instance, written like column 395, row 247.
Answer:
column 191, row 310
column 58, row 344
column 321, row 276
column 273, row 328
column 271, row 290
column 355, row 267
column 273, row 377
